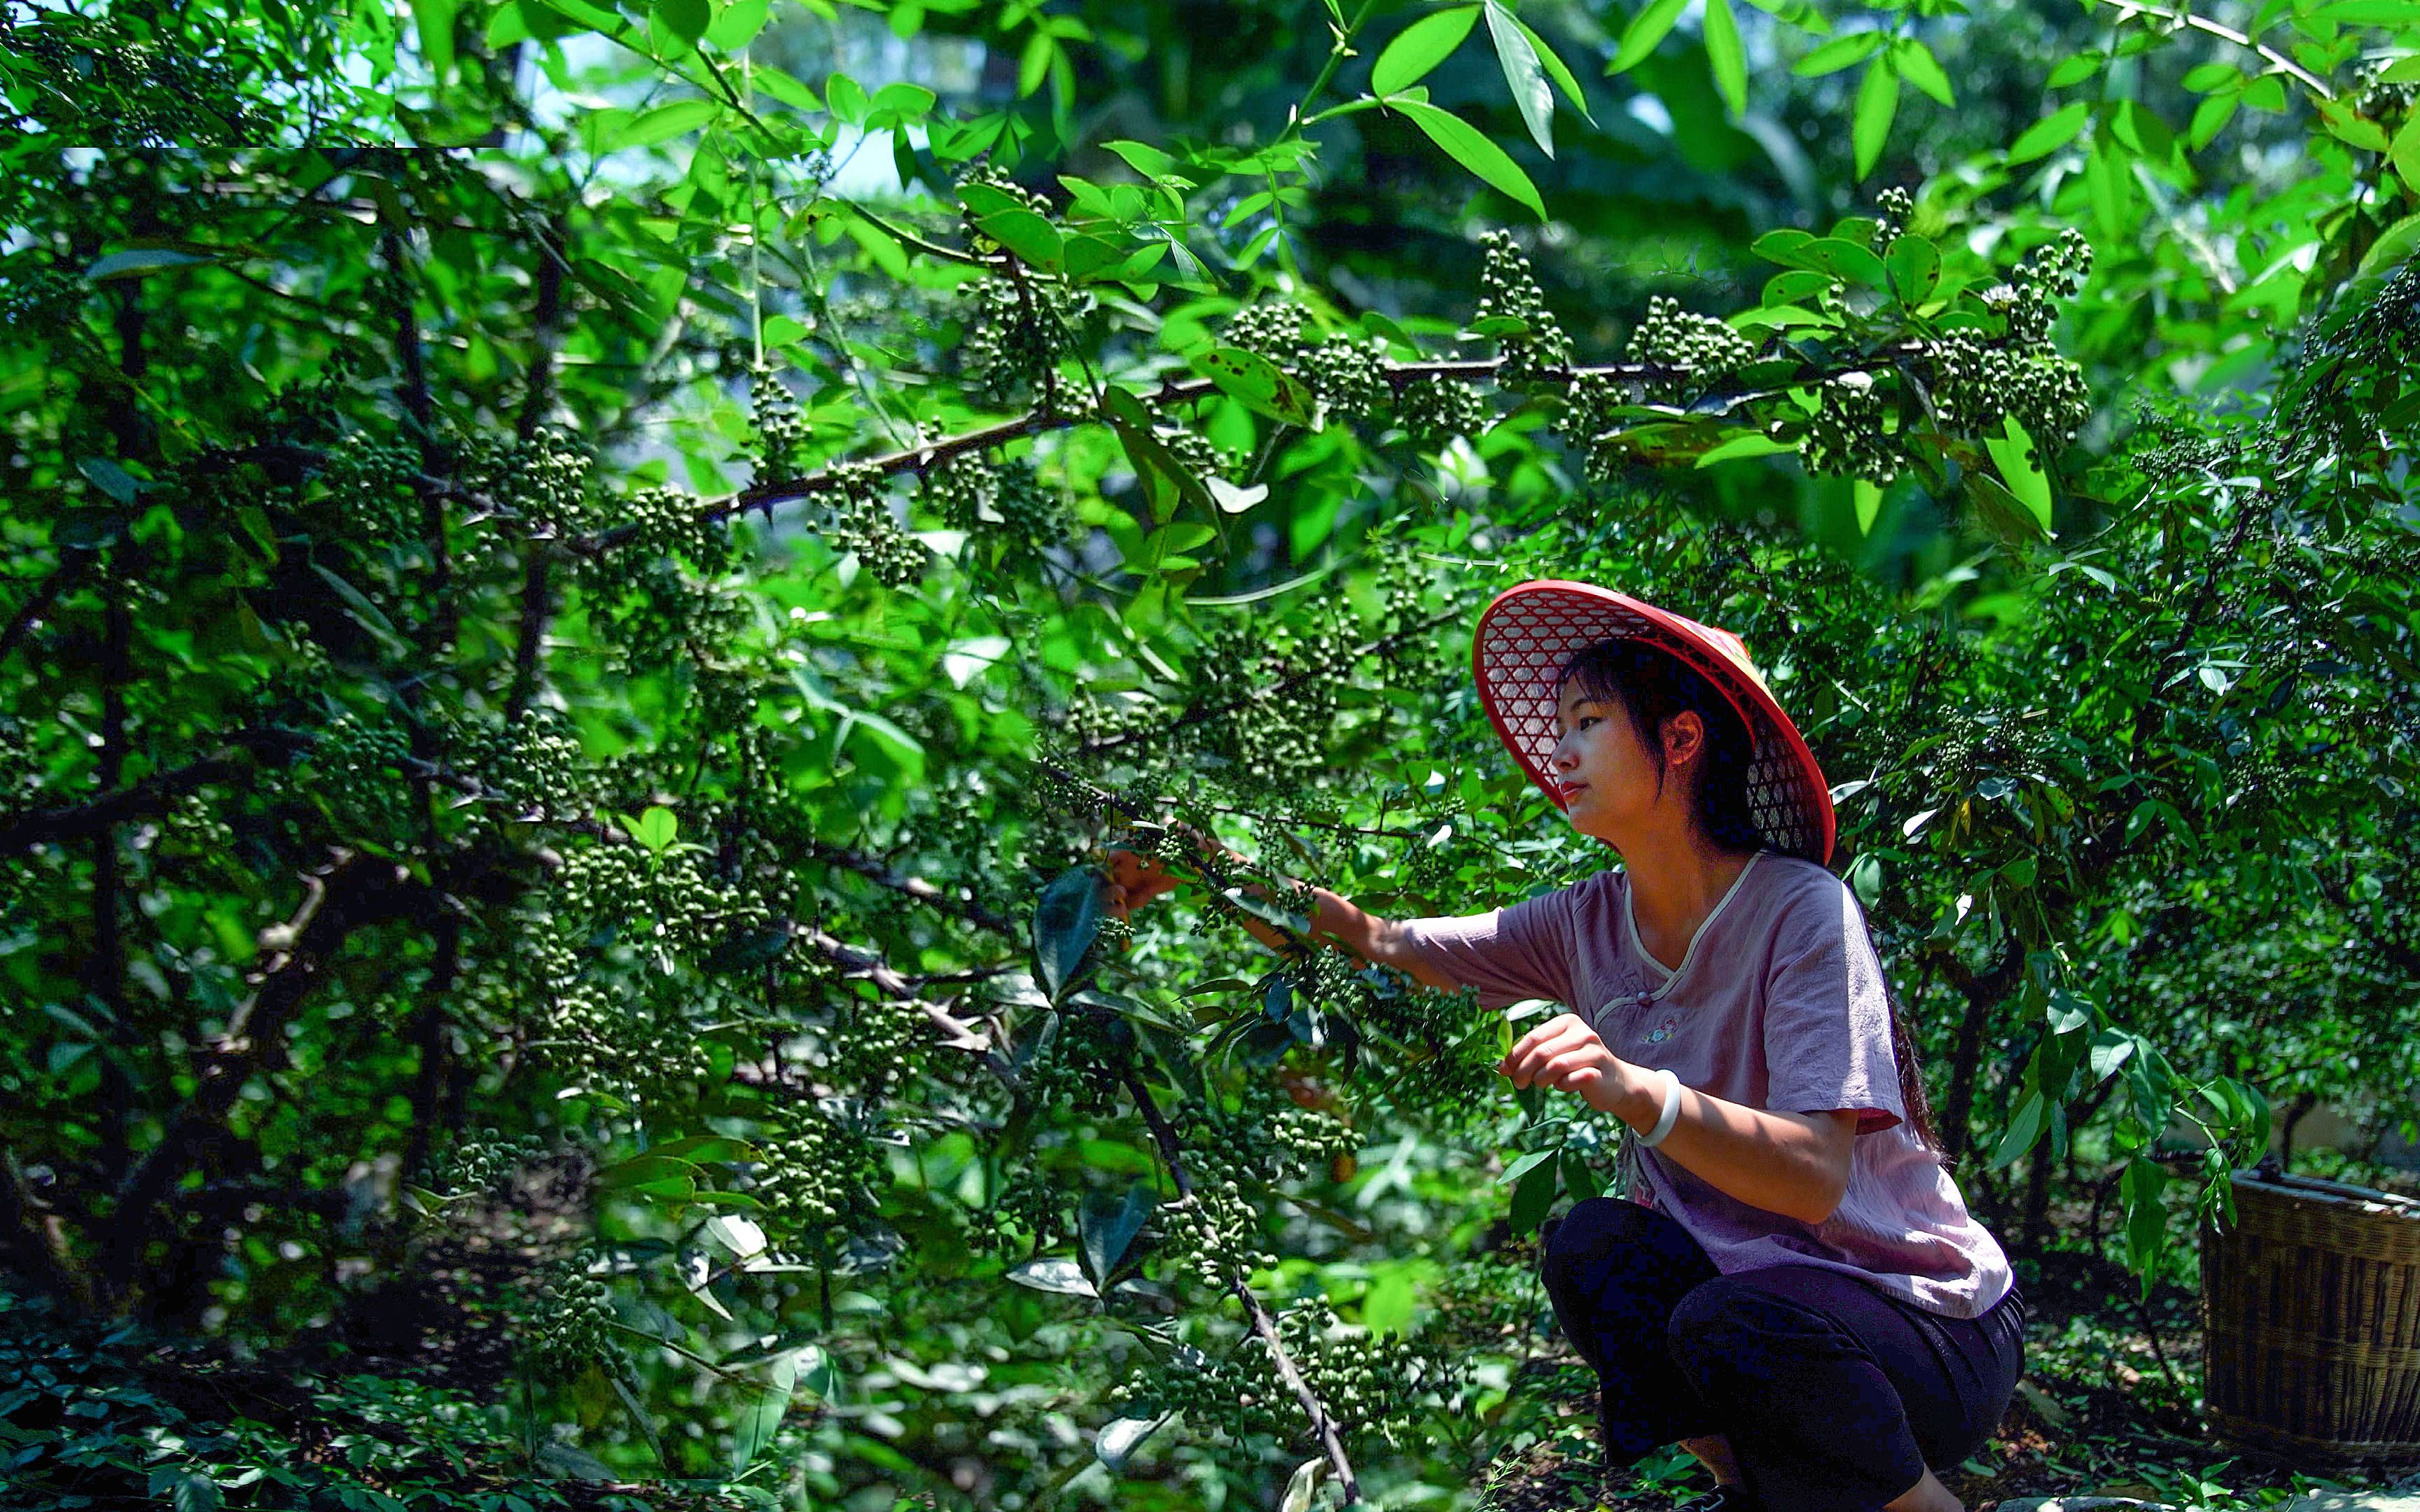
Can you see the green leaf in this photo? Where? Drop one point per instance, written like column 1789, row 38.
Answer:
column 2147, row 1218
column 1257, row 383
column 362, row 612
column 2405, row 153
column 1465, row 144
column 738, row 24
column 1844, row 259
column 1420, row 47
column 1645, row 32
column 784, row 87
column 1150, row 161
column 2011, row 453
column 1577, row 1178
column 109, row 478
column 1523, row 76
column 1914, row 266
column 686, row 19
column 1726, row 54
column 1869, row 497
column 1523, row 1166
column 2071, row 72
column 2052, row 132
column 1534, row 1196
column 2209, row 117
column 847, row 99
column 2023, row 1130
column 1564, row 79
column 1034, row 241
column 655, row 829
column 137, row 261
column 1918, row 67
column 753, row 1434
column 1064, row 923
column 1840, row 53
column 1105, row 1226
column 1747, row 443
column 665, row 122
column 1062, row 1276
column 1877, row 103
column 433, row 21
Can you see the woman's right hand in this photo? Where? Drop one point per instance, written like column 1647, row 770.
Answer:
column 1135, row 880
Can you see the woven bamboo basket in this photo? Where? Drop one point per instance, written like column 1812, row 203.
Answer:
column 2311, row 1321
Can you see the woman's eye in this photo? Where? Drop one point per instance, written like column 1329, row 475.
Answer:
column 1584, row 720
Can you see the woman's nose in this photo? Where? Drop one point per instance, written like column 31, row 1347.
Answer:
column 1564, row 758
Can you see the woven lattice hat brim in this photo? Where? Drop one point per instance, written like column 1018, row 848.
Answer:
column 1528, row 635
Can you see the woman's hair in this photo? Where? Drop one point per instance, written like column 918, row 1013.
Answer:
column 1652, row 686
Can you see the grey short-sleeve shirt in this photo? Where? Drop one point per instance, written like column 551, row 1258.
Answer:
column 1779, row 1005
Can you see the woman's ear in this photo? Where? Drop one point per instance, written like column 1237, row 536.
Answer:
column 1684, row 737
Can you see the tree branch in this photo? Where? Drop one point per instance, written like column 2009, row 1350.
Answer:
column 1323, row 1425
column 71, row 564
column 146, row 799
column 351, row 892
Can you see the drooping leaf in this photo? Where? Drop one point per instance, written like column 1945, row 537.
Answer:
column 1727, row 55
column 2052, row 132
column 1877, row 105
column 1466, row 145
column 1419, row 48
column 2011, row 452
column 1065, row 921
column 1645, row 31
column 1522, row 74
column 1060, row 1275
column 1106, row 1224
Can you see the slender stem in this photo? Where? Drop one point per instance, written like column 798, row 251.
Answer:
column 1323, row 1423
column 2133, row 10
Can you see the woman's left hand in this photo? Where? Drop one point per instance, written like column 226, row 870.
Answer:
column 1564, row 1052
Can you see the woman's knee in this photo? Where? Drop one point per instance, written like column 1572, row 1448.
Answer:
column 1590, row 1234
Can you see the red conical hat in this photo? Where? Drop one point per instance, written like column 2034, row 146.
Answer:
column 1529, row 633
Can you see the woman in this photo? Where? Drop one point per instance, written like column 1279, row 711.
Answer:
column 1794, row 1290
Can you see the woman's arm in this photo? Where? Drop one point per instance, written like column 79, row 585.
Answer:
column 1135, row 879
column 1792, row 1164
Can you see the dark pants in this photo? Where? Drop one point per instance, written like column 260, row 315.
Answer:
column 1834, row 1395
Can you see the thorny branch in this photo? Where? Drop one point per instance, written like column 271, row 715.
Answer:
column 1323, row 1424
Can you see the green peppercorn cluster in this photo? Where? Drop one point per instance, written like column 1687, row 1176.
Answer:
column 1699, row 350
column 369, row 481
column 877, row 1042
column 1347, row 375
column 571, row 1327
column 1213, row 1234
column 1033, row 1203
column 192, row 824
column 1074, row 1061
column 1200, row 454
column 361, row 763
column 1018, row 330
column 536, row 765
column 666, row 523
column 1435, row 409
column 2050, row 273
column 484, row 1161
column 1847, row 435
column 1893, row 208
column 1004, row 503
column 781, row 434
column 1275, row 329
column 1371, row 1385
column 853, row 512
column 1218, row 1394
column 1509, row 297
column 814, row 1174
column 98, row 82
column 1267, row 1137
column 1977, row 383
column 1281, row 701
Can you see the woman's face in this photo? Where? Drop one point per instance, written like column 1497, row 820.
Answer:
column 1609, row 781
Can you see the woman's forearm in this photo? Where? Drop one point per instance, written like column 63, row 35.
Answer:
column 1337, row 920
column 1792, row 1164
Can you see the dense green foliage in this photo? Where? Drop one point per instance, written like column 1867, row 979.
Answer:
column 589, row 586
